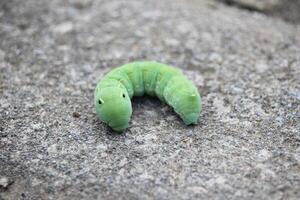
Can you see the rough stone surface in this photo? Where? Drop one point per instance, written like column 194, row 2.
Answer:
column 246, row 65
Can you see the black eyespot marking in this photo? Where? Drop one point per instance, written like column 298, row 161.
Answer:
column 123, row 95
column 99, row 101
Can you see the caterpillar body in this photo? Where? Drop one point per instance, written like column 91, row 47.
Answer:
column 114, row 91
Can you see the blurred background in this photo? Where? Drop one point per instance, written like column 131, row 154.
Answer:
column 287, row 10
column 243, row 55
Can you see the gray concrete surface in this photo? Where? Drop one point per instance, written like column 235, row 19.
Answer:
column 246, row 65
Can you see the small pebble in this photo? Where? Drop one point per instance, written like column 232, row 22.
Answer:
column 5, row 182
column 76, row 114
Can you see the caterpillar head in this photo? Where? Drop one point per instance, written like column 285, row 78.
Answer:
column 113, row 106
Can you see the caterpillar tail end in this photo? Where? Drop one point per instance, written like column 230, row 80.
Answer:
column 191, row 118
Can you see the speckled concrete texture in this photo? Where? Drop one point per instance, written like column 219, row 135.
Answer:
column 246, row 65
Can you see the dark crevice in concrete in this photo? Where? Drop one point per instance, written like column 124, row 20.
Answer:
column 241, row 6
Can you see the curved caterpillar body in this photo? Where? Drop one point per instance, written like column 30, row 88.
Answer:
column 114, row 91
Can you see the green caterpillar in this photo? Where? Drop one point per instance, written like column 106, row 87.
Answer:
column 114, row 91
